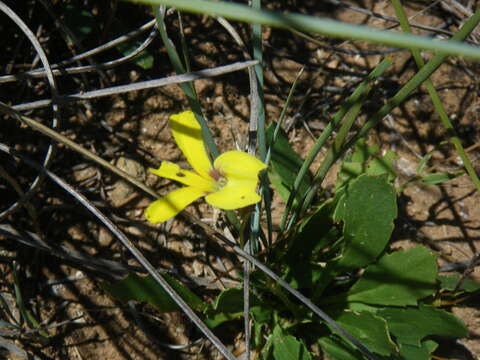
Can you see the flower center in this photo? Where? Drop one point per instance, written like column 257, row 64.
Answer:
column 219, row 177
column 222, row 182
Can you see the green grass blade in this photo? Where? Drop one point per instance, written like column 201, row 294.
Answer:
column 437, row 103
column 25, row 313
column 259, row 120
column 258, row 55
column 362, row 89
column 283, row 114
column 187, row 88
column 318, row 25
column 275, row 136
column 417, row 80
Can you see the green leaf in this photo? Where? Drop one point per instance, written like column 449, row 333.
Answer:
column 79, row 21
column 369, row 329
column 287, row 347
column 422, row 165
column 146, row 289
column 145, row 59
column 230, row 300
column 229, row 306
column 449, row 282
column 369, row 208
column 355, row 164
column 337, row 349
column 418, row 353
column 398, row 279
column 366, row 159
column 314, row 234
column 383, row 165
column 285, row 165
column 438, row 178
column 363, row 151
column 214, row 318
column 410, row 326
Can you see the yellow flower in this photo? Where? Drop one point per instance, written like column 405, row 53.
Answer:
column 231, row 182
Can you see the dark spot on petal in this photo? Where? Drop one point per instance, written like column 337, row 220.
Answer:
column 179, row 174
column 243, row 197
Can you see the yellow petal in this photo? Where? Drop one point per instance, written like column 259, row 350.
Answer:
column 188, row 136
column 241, row 172
column 233, row 197
column 167, row 207
column 239, row 165
column 174, row 172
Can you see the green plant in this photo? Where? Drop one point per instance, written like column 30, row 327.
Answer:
column 323, row 280
column 334, row 247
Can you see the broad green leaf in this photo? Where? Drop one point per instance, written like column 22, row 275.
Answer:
column 410, row 352
column 369, row 210
column 369, row 329
column 363, row 151
column 267, row 351
column 230, row 300
column 214, row 318
column 355, row 164
column 411, row 325
column 366, row 159
column 146, row 289
column 361, row 307
column 340, row 209
column 449, row 282
column 285, row 165
column 229, row 306
column 350, row 171
column 314, row 234
column 261, row 317
column 438, row 178
column 337, row 349
column 380, row 165
column 398, row 279
column 287, row 347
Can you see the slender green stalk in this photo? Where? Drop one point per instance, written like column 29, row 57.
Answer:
column 187, row 88
column 437, row 102
column 319, row 25
column 417, row 80
column 361, row 90
column 26, row 314
column 258, row 55
column 183, row 42
column 259, row 112
column 258, row 124
column 333, row 153
column 282, row 115
column 275, row 136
